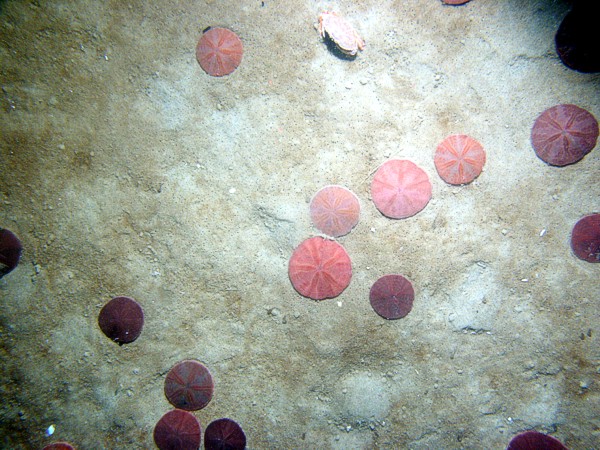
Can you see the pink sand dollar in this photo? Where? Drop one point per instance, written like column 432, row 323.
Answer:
column 320, row 269
column 219, row 52
column 334, row 210
column 400, row 189
column 459, row 159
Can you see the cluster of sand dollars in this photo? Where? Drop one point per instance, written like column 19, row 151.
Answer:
column 320, row 268
column 189, row 386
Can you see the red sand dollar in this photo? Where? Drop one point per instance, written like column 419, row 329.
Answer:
column 178, row 430
column 459, row 159
column 392, row 296
column 455, row 2
column 585, row 238
column 189, row 385
column 400, row 189
column 219, row 52
column 320, row 269
column 334, row 210
column 564, row 134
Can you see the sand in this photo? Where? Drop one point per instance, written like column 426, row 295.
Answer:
column 127, row 170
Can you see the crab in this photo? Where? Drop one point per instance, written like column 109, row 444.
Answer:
column 340, row 32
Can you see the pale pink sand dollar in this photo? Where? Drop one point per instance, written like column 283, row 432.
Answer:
column 334, row 210
column 400, row 189
column 320, row 269
column 459, row 159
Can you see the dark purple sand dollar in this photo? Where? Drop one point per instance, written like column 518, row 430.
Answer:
column 585, row 238
column 392, row 296
column 189, row 385
column 224, row 434
column 122, row 320
column 178, row 430
column 564, row 134
column 533, row 440
column 577, row 38
column 10, row 251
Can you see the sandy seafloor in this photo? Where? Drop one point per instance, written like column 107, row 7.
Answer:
column 126, row 170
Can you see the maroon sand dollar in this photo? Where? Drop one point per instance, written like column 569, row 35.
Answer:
column 392, row 296
column 189, row 385
column 224, row 434
column 59, row 446
column 455, row 2
column 122, row 320
column 564, row 134
column 585, row 238
column 219, row 52
column 533, row 440
column 459, row 159
column 178, row 430
column 400, row 189
column 10, row 251
column 334, row 210
column 320, row 269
